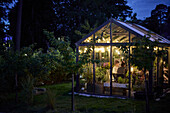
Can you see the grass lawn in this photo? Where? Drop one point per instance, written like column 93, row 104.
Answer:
column 82, row 104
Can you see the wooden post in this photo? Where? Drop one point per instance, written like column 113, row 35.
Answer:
column 72, row 99
column 111, row 57
column 77, row 77
column 151, row 78
column 146, row 93
column 161, row 74
column 157, row 74
column 169, row 66
column 93, row 64
column 129, row 69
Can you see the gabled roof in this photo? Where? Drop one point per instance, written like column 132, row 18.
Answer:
column 135, row 29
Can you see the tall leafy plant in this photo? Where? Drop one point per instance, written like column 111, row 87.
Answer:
column 143, row 56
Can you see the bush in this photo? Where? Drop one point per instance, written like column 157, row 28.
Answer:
column 50, row 100
column 27, row 90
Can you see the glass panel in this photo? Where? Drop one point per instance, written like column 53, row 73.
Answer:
column 134, row 38
column 119, row 35
column 103, row 35
column 86, row 75
column 88, row 40
column 119, row 72
column 102, row 69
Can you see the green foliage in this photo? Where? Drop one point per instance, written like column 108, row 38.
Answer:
column 29, row 61
column 66, row 56
column 100, row 74
column 123, row 80
column 27, row 90
column 87, row 73
column 50, row 99
column 143, row 53
column 86, row 28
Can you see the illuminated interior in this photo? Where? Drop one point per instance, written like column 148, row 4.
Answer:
column 109, row 56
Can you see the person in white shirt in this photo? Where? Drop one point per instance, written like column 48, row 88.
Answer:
column 116, row 66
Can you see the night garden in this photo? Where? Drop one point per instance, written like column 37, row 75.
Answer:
column 84, row 56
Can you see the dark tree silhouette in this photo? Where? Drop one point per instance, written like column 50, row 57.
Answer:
column 158, row 19
column 36, row 16
column 63, row 17
column 4, row 6
column 70, row 15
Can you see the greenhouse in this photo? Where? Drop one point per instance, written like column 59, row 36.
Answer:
column 111, row 70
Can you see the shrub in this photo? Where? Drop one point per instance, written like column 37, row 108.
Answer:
column 27, row 90
column 51, row 100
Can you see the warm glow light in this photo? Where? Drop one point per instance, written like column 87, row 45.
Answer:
column 131, row 69
column 118, row 52
column 99, row 49
column 102, row 49
column 147, row 47
column 107, row 41
column 96, row 50
column 155, row 48
column 85, row 49
column 80, row 51
column 122, row 58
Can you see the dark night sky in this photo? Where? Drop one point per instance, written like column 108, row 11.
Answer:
column 143, row 8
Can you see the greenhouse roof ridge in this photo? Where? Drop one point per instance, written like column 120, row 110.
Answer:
column 136, row 29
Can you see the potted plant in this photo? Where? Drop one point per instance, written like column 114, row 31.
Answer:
column 100, row 79
column 87, row 75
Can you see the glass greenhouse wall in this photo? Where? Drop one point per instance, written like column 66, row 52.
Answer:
column 112, row 73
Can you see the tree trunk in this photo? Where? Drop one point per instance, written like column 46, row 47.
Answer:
column 18, row 28
column 18, row 37
column 151, row 79
column 16, row 87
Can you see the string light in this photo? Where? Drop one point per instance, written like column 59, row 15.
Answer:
column 99, row 49
column 85, row 49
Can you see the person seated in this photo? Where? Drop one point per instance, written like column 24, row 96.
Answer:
column 116, row 66
column 114, row 71
column 122, row 69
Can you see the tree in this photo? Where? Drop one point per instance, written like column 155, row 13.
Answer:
column 36, row 16
column 4, row 7
column 63, row 18
column 166, row 31
column 158, row 19
column 143, row 56
column 70, row 15
column 160, row 13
